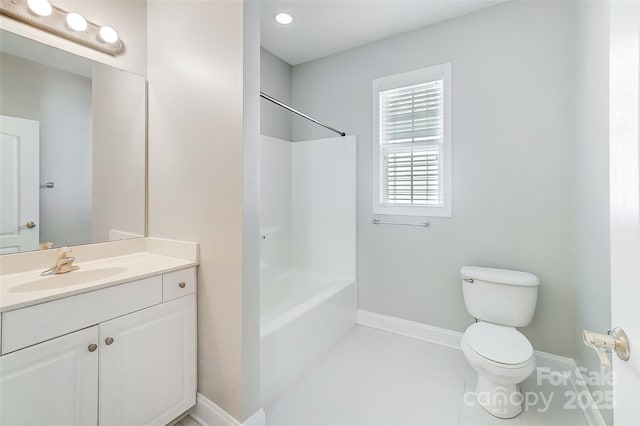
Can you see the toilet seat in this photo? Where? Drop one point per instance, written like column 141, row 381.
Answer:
column 499, row 344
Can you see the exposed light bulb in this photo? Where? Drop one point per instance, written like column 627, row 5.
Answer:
column 40, row 7
column 76, row 22
column 284, row 18
column 108, row 35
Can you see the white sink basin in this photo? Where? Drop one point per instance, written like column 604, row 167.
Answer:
column 66, row 280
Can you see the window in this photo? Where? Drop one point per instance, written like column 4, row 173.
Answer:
column 412, row 143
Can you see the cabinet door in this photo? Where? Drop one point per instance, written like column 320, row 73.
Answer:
column 52, row 383
column 148, row 364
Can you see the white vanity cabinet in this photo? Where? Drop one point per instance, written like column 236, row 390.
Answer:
column 147, row 364
column 53, row 383
column 134, row 368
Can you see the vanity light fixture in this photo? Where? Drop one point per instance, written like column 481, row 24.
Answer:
column 40, row 7
column 76, row 22
column 70, row 25
column 108, row 35
column 284, row 18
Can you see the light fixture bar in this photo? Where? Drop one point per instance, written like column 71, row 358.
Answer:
column 56, row 23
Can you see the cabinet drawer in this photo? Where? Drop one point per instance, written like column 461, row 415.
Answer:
column 34, row 324
column 178, row 283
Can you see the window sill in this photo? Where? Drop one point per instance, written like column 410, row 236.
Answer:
column 413, row 211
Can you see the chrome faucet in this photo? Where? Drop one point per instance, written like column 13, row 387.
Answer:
column 64, row 263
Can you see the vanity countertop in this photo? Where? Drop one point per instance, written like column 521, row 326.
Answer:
column 29, row 288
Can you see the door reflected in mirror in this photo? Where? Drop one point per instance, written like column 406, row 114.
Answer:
column 72, row 149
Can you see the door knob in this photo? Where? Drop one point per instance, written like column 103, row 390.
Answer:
column 92, row 347
column 29, row 225
column 615, row 340
column 108, row 340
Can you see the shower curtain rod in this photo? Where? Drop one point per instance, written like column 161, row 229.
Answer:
column 295, row 111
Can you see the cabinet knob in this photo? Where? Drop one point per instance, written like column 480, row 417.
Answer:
column 108, row 340
column 92, row 347
column 182, row 285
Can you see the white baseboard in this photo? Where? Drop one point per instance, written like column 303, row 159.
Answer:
column 556, row 362
column 207, row 413
column 564, row 365
column 451, row 339
column 442, row 336
column 407, row 328
column 577, row 382
column 258, row 418
column 591, row 412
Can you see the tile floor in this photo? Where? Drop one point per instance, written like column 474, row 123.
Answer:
column 375, row 378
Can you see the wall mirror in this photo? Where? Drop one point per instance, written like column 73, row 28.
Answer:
column 72, row 149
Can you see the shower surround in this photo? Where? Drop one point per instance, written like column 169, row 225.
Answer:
column 308, row 254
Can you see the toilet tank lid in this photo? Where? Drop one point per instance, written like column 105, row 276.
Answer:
column 502, row 276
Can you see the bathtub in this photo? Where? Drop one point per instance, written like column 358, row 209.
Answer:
column 303, row 315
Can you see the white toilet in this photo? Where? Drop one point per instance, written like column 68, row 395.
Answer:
column 500, row 300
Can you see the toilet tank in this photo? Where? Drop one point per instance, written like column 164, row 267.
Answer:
column 500, row 296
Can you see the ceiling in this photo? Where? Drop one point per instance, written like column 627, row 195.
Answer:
column 324, row 27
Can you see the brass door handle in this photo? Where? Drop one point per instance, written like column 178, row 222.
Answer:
column 616, row 340
column 29, row 225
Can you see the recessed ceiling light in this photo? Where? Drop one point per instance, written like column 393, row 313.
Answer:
column 284, row 18
column 76, row 22
column 40, row 7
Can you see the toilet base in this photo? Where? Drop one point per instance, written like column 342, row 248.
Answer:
column 503, row 401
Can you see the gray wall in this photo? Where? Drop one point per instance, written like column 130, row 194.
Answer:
column 591, row 225
column 275, row 80
column 513, row 127
column 61, row 102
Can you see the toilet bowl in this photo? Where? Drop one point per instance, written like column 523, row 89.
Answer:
column 500, row 300
column 503, row 358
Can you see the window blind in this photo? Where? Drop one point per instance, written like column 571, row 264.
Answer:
column 411, row 135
